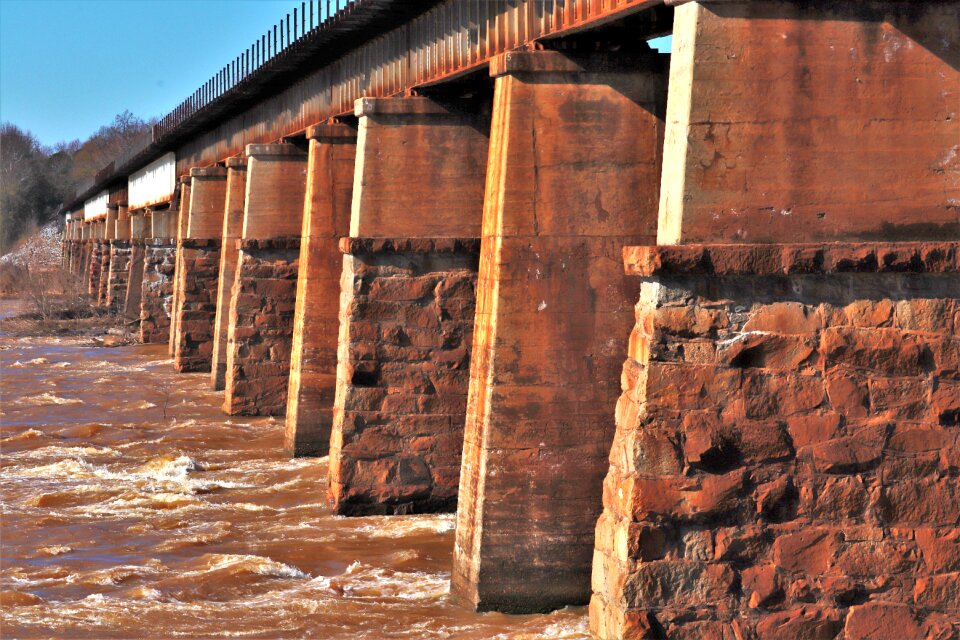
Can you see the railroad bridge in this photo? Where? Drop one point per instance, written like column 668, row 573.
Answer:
column 674, row 334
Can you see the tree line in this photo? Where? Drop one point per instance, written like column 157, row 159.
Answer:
column 35, row 179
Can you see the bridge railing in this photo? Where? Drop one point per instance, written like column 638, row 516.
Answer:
column 310, row 17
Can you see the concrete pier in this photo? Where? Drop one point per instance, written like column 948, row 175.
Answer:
column 231, row 232
column 793, row 342
column 263, row 299
column 198, row 256
column 159, row 267
column 407, row 306
column 326, row 218
column 183, row 218
column 572, row 177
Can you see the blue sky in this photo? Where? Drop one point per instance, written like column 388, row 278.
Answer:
column 68, row 66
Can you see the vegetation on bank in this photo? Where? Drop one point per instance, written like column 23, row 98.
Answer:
column 34, row 179
column 52, row 301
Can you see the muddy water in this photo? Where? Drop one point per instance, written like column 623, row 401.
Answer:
column 133, row 508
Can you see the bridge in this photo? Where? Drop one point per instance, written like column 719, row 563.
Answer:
column 674, row 334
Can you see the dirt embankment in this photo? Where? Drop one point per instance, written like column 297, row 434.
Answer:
column 52, row 300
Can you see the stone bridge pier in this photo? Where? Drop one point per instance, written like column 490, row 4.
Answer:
column 183, row 219
column 109, row 233
column 326, row 218
column 786, row 452
column 230, row 234
column 119, row 272
column 159, row 267
column 198, row 255
column 263, row 299
column 75, row 242
column 139, row 231
column 572, row 177
column 407, row 300
column 97, row 231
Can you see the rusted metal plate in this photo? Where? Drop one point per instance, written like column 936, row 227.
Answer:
column 96, row 207
column 154, row 184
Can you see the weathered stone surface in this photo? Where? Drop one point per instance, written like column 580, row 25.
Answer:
column 816, row 439
column 199, row 262
column 104, row 277
column 159, row 264
column 95, row 269
column 781, row 259
column 406, row 332
column 264, row 292
column 572, row 176
column 227, row 273
column 780, row 125
column 131, row 304
column 261, row 328
column 118, row 275
column 313, row 361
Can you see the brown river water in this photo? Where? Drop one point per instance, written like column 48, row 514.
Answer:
column 133, row 508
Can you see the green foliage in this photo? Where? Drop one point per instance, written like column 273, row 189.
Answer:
column 34, row 179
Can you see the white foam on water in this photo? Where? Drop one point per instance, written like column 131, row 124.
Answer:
column 403, row 526
column 562, row 630
column 18, row 364
column 113, row 576
column 164, row 483
column 57, row 451
column 55, row 550
column 200, row 534
column 23, row 435
column 377, row 583
column 242, row 563
column 47, row 399
column 247, row 506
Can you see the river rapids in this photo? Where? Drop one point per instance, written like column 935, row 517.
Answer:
column 133, row 508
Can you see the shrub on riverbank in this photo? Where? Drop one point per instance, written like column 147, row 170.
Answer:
column 53, row 301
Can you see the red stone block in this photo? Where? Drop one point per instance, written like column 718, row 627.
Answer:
column 813, row 429
column 801, row 623
column 762, row 584
column 870, row 314
column 922, row 502
column 766, row 351
column 869, row 560
column 690, row 321
column 853, row 454
column 885, row 351
column 769, row 395
column 811, row 551
column 834, row 498
column 848, row 393
column 663, row 583
column 878, row 620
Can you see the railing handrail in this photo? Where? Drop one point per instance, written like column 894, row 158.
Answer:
column 281, row 39
column 263, row 52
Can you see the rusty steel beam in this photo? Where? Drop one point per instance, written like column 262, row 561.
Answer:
column 349, row 49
